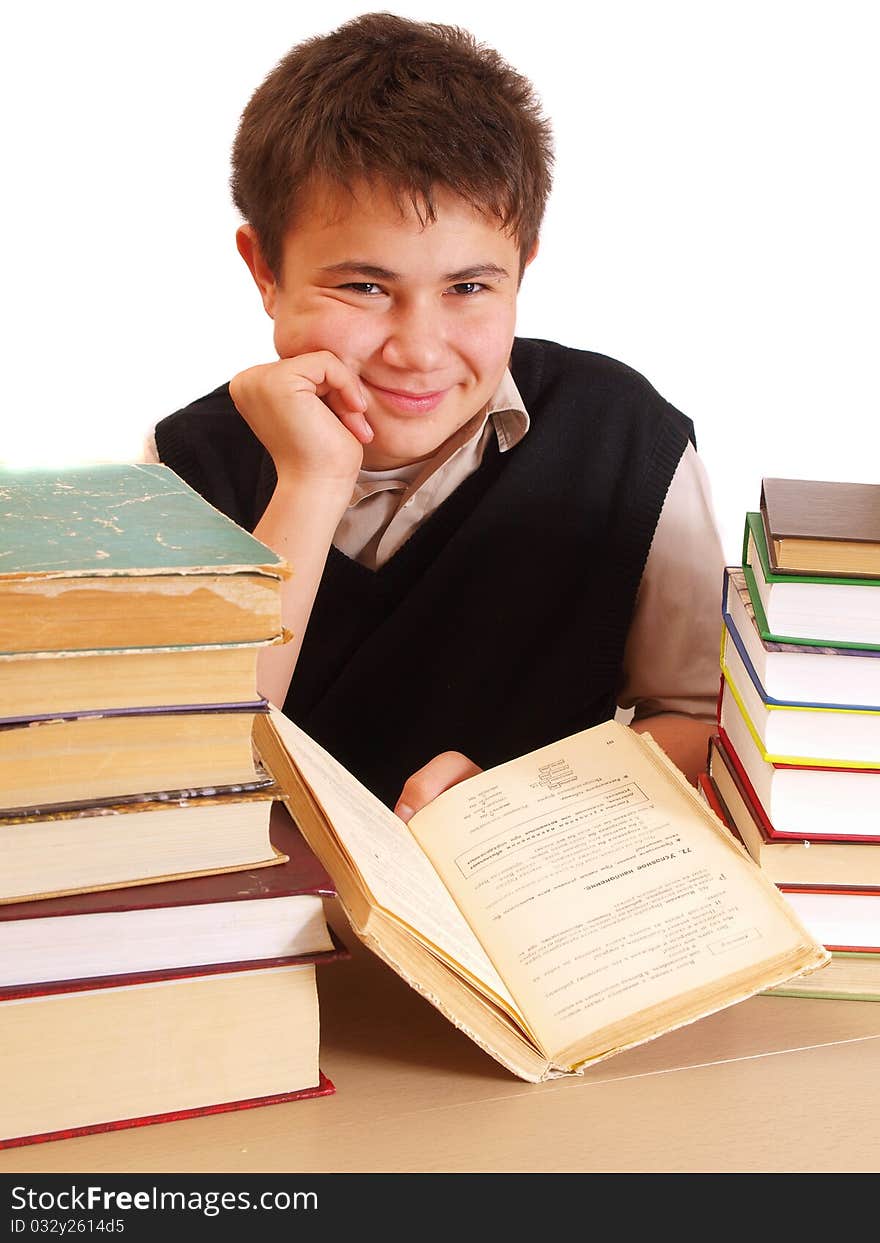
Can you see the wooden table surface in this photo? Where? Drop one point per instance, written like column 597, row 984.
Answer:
column 773, row 1084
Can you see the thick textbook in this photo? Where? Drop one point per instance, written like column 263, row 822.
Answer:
column 127, row 556
column 798, row 672
column 40, row 684
column 802, row 800
column 170, row 836
column 816, row 526
column 558, row 908
column 847, row 977
column 825, row 611
column 58, row 760
column 788, row 859
column 121, row 1054
column 846, row 921
column 255, row 916
column 828, row 735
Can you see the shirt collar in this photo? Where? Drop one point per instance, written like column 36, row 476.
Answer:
column 509, row 417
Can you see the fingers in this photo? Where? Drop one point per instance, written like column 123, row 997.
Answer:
column 263, row 392
column 445, row 770
column 330, row 379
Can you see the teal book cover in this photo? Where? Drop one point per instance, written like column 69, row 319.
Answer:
column 118, row 519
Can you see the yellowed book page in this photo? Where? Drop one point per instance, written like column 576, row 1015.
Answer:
column 393, row 867
column 599, row 884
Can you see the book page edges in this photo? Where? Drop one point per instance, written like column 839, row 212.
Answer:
column 754, row 527
column 355, row 894
column 793, row 761
column 278, row 857
column 492, row 1034
column 243, row 645
column 324, row 1087
column 280, row 570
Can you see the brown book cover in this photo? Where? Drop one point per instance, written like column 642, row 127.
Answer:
column 114, row 941
column 817, row 526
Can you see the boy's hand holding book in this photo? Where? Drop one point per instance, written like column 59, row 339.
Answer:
column 558, row 908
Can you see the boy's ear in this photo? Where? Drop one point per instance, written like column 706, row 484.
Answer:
column 249, row 248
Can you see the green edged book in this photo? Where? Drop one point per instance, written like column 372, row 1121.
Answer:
column 847, row 977
column 822, row 611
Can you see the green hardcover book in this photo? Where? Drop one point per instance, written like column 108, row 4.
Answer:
column 117, row 557
column 817, row 610
column 847, row 977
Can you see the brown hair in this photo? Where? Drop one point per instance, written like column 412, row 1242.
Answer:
column 412, row 105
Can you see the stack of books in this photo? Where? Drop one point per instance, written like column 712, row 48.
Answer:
column 794, row 768
column 160, row 916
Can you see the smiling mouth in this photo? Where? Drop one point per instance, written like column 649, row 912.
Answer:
column 400, row 392
column 402, row 400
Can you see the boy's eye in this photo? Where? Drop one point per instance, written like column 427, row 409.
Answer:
column 366, row 287
column 467, row 288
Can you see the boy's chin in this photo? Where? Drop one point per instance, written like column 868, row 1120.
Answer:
column 385, row 452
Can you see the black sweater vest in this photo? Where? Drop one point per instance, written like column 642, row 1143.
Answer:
column 500, row 625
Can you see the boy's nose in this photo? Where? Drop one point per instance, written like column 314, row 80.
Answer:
column 415, row 343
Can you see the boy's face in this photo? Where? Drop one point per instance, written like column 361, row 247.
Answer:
column 424, row 316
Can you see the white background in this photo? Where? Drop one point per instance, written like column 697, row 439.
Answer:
column 713, row 223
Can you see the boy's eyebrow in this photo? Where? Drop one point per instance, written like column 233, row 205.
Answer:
column 359, row 268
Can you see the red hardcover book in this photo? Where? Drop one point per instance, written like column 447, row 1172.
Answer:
column 251, row 917
column 324, row 1087
column 788, row 859
column 134, row 1052
column 106, row 1020
column 800, row 802
column 846, row 919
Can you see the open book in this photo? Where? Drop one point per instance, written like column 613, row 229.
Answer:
column 559, row 908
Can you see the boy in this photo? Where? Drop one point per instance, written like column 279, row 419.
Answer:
column 468, row 515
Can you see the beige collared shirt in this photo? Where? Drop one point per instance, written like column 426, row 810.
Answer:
column 671, row 659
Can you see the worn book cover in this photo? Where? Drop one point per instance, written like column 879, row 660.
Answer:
column 82, row 544
column 171, row 835
column 96, row 755
column 64, row 683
